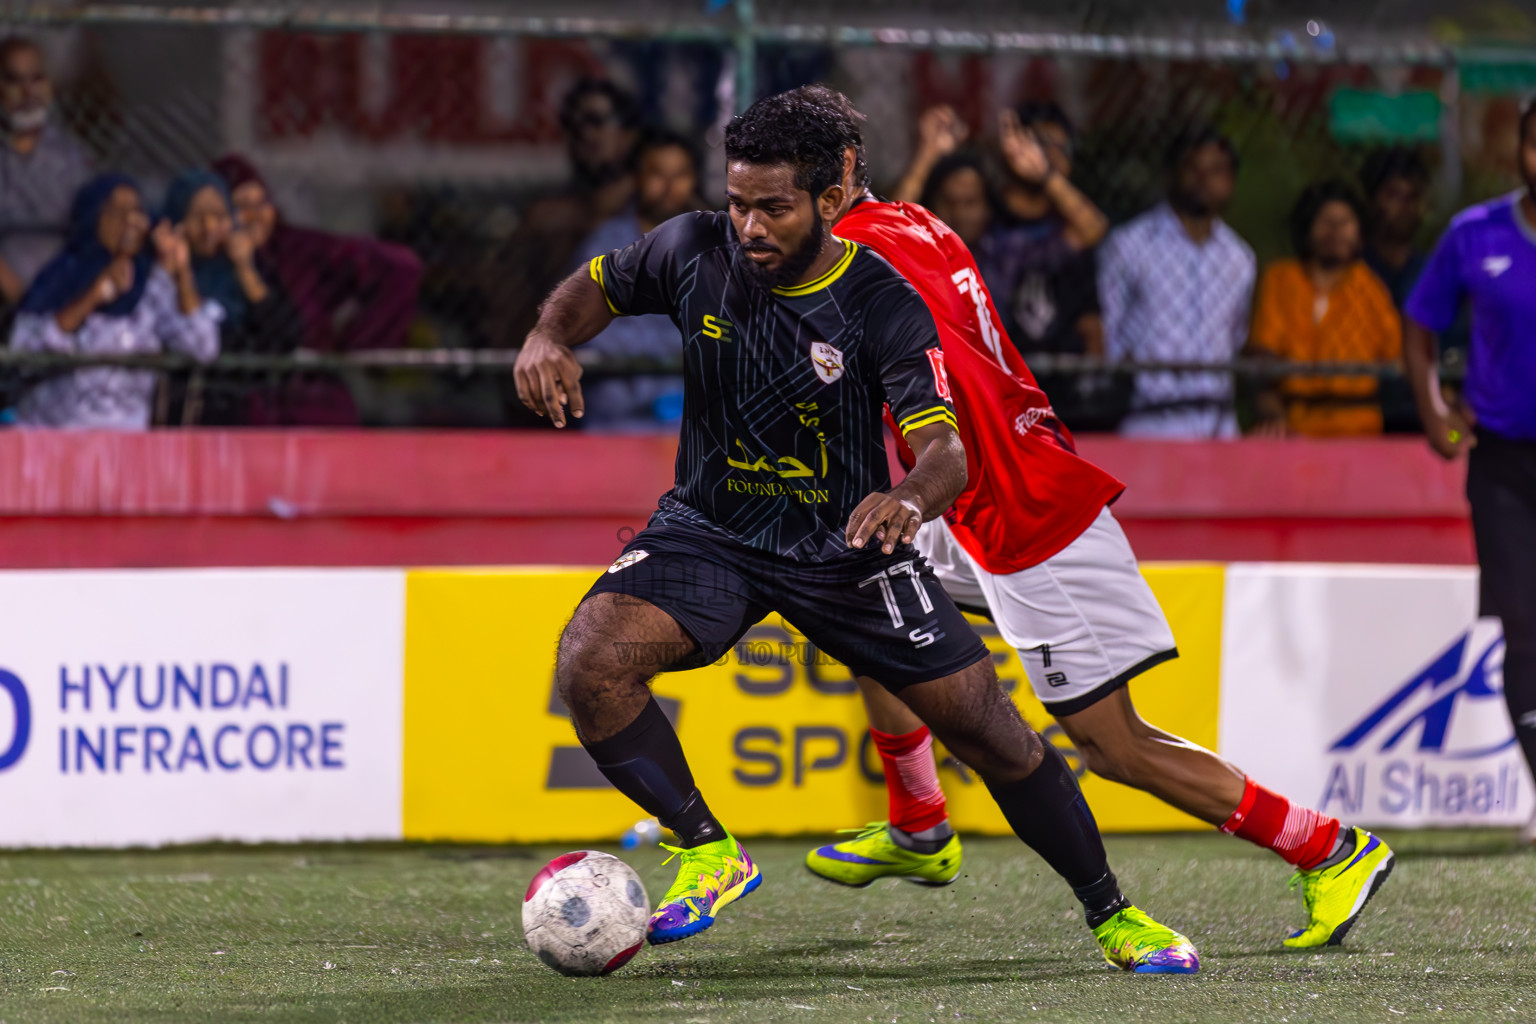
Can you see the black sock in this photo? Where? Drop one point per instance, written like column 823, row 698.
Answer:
column 1048, row 812
column 645, row 762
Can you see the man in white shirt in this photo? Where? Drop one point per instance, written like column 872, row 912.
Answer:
column 1175, row 286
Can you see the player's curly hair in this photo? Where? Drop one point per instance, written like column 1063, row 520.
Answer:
column 808, row 128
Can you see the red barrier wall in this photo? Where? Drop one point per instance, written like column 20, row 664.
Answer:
column 207, row 498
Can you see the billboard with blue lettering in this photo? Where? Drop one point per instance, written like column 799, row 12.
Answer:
column 179, row 706
column 1373, row 692
column 153, row 707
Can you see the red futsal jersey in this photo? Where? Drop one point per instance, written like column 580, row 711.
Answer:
column 1027, row 494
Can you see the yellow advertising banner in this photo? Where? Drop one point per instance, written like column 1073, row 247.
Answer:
column 775, row 732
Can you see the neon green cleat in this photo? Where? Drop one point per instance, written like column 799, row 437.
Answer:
column 709, row 878
column 1336, row 895
column 1132, row 941
column 874, row 854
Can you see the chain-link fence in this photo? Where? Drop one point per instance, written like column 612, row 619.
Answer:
column 414, row 183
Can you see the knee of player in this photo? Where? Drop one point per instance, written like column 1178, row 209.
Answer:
column 1116, row 764
column 1031, row 751
column 1010, row 761
column 584, row 661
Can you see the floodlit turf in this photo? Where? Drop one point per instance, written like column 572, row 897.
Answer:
column 431, row 933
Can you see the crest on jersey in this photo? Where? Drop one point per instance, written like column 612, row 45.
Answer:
column 827, row 361
column 628, row 559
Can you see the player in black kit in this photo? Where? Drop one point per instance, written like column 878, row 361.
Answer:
column 795, row 340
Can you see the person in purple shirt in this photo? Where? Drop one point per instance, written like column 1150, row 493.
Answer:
column 1487, row 259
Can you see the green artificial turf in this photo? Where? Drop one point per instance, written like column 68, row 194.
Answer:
column 432, row 933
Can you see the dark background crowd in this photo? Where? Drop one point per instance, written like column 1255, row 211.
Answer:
column 1088, row 273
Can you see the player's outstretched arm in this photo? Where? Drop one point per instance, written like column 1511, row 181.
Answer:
column 936, row 480
column 548, row 376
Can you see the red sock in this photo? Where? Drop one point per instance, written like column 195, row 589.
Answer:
column 1302, row 836
column 911, row 779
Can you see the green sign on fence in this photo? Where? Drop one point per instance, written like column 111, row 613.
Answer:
column 1357, row 115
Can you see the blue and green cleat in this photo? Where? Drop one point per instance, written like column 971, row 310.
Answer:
column 1132, row 941
column 873, row 854
column 709, row 878
column 1336, row 896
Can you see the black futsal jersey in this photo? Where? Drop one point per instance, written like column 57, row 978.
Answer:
column 783, row 389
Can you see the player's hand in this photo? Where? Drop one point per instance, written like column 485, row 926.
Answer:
column 1449, row 430
column 1022, row 150
column 887, row 517
column 549, row 378
column 940, row 131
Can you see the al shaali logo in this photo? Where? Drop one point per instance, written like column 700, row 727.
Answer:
column 1459, row 687
column 1438, row 747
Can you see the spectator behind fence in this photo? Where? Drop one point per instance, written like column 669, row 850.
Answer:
column 1175, row 285
column 1325, row 305
column 958, row 193
column 1038, row 262
column 256, row 314
column 352, row 293
column 601, row 124
column 41, row 169
column 668, row 173
column 1396, row 184
column 107, row 292
column 1032, row 242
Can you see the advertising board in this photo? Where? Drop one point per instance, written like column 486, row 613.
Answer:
column 1373, row 693
column 775, row 731
column 179, row 706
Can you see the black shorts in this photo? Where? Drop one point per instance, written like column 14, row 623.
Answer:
column 883, row 616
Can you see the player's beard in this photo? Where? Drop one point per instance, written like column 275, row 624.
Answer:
column 793, row 266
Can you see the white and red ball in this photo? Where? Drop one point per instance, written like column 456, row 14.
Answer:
column 585, row 913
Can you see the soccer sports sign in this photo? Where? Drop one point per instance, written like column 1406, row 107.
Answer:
column 775, row 732
column 1372, row 693
column 180, row 706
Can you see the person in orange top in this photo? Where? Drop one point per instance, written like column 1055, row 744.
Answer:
column 1324, row 306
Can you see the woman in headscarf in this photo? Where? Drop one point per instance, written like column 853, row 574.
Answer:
column 116, row 288
column 353, row 293
column 257, row 315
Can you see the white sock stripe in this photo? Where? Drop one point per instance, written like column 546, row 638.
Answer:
column 919, row 776
column 1300, row 823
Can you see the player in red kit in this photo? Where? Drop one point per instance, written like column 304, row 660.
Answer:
column 1031, row 544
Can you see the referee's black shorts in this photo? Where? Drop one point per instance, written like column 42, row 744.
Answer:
column 883, row 616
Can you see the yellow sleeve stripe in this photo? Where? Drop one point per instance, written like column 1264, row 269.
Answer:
column 595, row 269
column 939, row 416
column 926, row 415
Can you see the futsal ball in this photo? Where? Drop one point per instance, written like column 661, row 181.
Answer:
column 585, row 913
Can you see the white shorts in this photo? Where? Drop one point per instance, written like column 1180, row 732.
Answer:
column 1084, row 621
